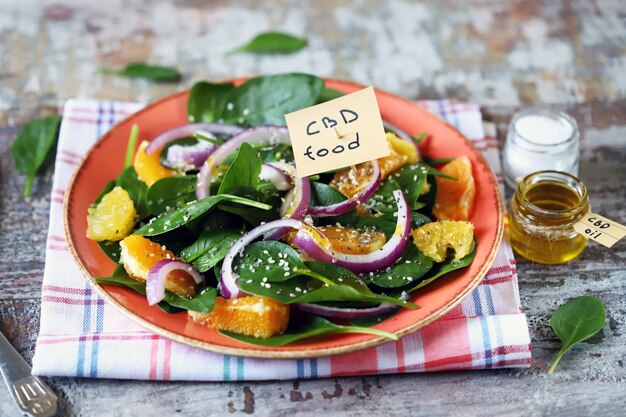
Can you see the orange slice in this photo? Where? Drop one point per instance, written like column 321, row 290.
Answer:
column 113, row 217
column 148, row 167
column 253, row 316
column 434, row 239
column 402, row 152
column 455, row 199
column 353, row 241
column 139, row 255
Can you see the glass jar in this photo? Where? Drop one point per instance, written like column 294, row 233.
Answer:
column 540, row 139
column 543, row 211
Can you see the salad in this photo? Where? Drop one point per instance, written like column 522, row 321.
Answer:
column 210, row 218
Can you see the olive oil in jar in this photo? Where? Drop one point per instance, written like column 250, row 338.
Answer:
column 543, row 212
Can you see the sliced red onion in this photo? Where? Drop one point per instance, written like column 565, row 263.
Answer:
column 296, row 202
column 259, row 134
column 155, row 284
column 276, row 176
column 345, row 313
column 228, row 280
column 188, row 130
column 188, row 157
column 347, row 205
column 317, row 246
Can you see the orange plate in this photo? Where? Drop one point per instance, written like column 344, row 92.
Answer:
column 105, row 161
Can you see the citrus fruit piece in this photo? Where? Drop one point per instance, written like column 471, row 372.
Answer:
column 148, row 167
column 353, row 241
column 401, row 153
column 455, row 199
column 351, row 181
column 113, row 218
column 434, row 239
column 140, row 254
column 253, row 316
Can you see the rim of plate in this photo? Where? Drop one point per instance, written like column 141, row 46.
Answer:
column 281, row 353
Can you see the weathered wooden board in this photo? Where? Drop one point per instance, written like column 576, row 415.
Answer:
column 500, row 54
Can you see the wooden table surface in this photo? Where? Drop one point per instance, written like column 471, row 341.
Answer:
column 501, row 54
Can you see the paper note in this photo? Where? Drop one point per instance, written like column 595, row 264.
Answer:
column 339, row 133
column 598, row 228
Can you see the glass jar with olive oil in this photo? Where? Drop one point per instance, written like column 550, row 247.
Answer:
column 544, row 209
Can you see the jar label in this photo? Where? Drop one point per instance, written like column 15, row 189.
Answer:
column 598, row 228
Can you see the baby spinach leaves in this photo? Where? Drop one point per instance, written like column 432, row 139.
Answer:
column 412, row 266
column 202, row 302
column 244, row 172
column 32, row 145
column 184, row 215
column 136, row 189
column 272, row 43
column 576, row 321
column 443, row 268
column 210, row 248
column 260, row 100
column 171, row 193
column 149, row 72
column 304, row 328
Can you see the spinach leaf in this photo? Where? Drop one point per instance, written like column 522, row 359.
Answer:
column 252, row 215
column 576, row 321
column 419, row 137
column 410, row 179
column 149, row 72
column 325, row 195
column 207, row 101
column 136, row 189
column 271, row 43
column 328, row 94
column 243, row 172
column 446, row 266
column 201, row 302
column 373, row 320
column 179, row 217
column 32, row 145
column 305, row 328
column 171, row 193
column 266, row 100
column 411, row 266
column 210, row 248
column 111, row 249
column 338, row 284
column 272, row 260
column 435, row 161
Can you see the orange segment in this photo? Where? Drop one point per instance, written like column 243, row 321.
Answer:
column 253, row 316
column 352, row 180
column 113, row 218
column 434, row 239
column 139, row 255
column 404, row 148
column 353, row 241
column 455, row 199
column 148, row 167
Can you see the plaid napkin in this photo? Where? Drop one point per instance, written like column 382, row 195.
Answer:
column 82, row 336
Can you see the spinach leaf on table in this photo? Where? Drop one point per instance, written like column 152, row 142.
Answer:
column 32, row 145
column 260, row 100
column 171, row 193
column 576, row 321
column 186, row 214
column 271, row 43
column 210, row 248
column 202, row 302
column 207, row 101
column 149, row 72
column 304, row 328
column 243, row 172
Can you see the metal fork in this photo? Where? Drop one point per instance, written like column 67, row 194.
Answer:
column 31, row 395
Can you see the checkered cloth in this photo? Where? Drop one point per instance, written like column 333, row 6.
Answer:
column 82, row 336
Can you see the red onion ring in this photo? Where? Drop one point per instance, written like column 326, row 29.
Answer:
column 318, row 247
column 155, row 284
column 345, row 313
column 259, row 134
column 187, row 130
column 228, row 280
column 188, row 157
column 278, row 177
column 347, row 205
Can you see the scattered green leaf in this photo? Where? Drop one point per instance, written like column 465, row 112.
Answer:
column 272, row 43
column 149, row 72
